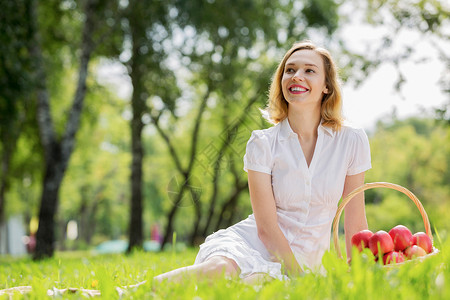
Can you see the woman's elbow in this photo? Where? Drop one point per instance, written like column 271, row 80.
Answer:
column 265, row 235
column 261, row 235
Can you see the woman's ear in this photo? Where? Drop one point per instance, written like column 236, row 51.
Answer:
column 325, row 91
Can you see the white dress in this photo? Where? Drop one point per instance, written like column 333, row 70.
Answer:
column 306, row 197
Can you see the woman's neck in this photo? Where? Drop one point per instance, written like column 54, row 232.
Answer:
column 304, row 122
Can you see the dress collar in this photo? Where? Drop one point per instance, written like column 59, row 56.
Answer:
column 286, row 130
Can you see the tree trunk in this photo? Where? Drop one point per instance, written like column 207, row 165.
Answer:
column 138, row 106
column 136, row 210
column 45, row 236
column 195, row 237
column 91, row 222
column 83, row 215
column 57, row 154
column 171, row 215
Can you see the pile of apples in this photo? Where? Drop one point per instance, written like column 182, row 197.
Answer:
column 396, row 246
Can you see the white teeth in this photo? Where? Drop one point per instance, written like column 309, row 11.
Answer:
column 298, row 89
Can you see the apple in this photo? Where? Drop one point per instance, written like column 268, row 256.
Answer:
column 382, row 240
column 401, row 236
column 422, row 240
column 393, row 256
column 414, row 251
column 361, row 239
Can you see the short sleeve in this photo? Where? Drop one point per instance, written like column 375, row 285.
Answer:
column 258, row 156
column 360, row 160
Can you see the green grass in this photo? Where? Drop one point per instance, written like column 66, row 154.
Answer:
column 429, row 279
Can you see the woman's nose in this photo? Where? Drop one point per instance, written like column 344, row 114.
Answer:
column 298, row 76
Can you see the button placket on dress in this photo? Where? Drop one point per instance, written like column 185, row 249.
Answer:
column 306, row 173
column 309, row 171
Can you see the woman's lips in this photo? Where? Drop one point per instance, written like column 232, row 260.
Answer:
column 297, row 89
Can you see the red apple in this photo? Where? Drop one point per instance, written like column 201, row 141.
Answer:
column 394, row 256
column 414, row 251
column 422, row 240
column 383, row 240
column 361, row 239
column 401, row 236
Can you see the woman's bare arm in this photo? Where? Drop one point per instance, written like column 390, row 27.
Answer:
column 355, row 213
column 264, row 210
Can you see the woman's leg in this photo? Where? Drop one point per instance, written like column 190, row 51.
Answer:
column 213, row 267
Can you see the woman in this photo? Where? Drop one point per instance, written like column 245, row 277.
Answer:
column 297, row 172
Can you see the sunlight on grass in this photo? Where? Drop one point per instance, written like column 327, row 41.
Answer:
column 365, row 279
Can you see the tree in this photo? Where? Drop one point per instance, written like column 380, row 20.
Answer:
column 223, row 54
column 13, row 92
column 145, row 29
column 57, row 151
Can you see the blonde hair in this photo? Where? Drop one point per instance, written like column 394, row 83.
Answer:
column 331, row 108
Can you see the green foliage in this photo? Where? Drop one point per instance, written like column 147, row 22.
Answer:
column 423, row 15
column 186, row 49
column 16, row 109
column 322, row 13
column 96, row 186
column 387, row 214
column 413, row 153
column 364, row 279
column 14, row 58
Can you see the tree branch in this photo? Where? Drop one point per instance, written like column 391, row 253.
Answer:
column 87, row 44
column 44, row 118
column 196, row 130
column 166, row 138
column 226, row 142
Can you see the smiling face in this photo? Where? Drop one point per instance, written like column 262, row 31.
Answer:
column 303, row 78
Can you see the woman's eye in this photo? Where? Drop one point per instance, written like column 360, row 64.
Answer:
column 290, row 70
column 310, row 71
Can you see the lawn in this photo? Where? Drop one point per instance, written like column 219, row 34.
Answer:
column 429, row 279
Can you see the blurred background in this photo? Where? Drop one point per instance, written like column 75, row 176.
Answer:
column 123, row 124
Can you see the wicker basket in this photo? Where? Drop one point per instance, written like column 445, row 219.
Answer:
column 372, row 185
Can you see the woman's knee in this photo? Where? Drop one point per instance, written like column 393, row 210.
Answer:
column 222, row 265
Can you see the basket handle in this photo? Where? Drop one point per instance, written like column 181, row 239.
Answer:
column 372, row 185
